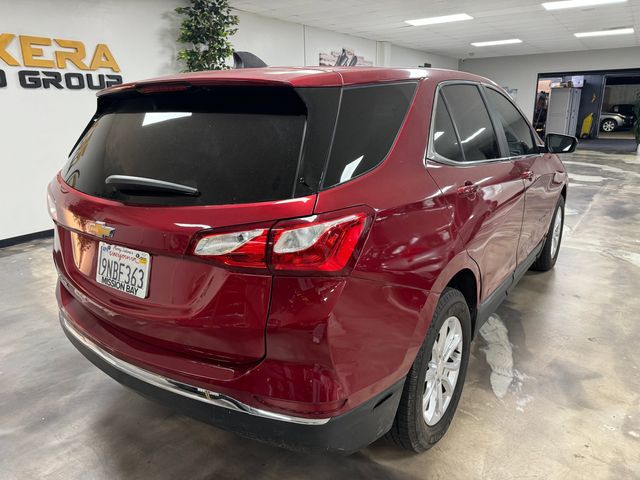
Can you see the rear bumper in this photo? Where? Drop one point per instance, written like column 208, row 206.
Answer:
column 345, row 433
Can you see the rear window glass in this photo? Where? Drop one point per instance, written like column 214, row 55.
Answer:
column 234, row 144
column 369, row 120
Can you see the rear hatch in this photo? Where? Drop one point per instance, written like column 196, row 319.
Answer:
column 158, row 167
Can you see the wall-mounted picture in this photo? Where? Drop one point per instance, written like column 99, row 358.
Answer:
column 343, row 58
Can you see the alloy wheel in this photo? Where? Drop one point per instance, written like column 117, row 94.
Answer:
column 442, row 371
column 555, row 233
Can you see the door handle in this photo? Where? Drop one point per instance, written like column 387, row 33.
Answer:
column 468, row 190
column 528, row 175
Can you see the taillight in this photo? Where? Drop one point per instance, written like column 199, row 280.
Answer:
column 312, row 244
column 51, row 205
column 246, row 248
column 327, row 243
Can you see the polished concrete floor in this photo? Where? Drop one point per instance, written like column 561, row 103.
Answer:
column 553, row 388
column 616, row 144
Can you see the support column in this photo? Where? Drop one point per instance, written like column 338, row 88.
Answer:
column 383, row 54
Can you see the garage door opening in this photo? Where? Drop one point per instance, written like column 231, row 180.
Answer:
column 597, row 107
column 621, row 94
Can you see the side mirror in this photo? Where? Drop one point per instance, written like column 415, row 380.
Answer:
column 557, row 143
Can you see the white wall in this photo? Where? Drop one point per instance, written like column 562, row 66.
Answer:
column 38, row 127
column 281, row 43
column 277, row 43
column 521, row 72
column 408, row 57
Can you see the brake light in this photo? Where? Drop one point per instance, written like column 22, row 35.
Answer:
column 326, row 243
column 163, row 87
column 239, row 249
column 325, row 246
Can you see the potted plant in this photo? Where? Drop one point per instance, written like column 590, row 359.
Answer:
column 206, row 28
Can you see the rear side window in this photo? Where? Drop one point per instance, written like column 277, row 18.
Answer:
column 234, row 144
column 516, row 129
column 368, row 123
column 469, row 113
column 445, row 140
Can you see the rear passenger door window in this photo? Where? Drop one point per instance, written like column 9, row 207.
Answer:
column 469, row 113
column 445, row 140
column 516, row 129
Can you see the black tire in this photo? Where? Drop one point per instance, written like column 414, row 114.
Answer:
column 410, row 430
column 547, row 259
column 608, row 126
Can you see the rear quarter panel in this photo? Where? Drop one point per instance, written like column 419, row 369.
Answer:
column 377, row 317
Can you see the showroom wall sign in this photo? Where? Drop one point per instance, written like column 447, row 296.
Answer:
column 32, row 53
column 343, row 58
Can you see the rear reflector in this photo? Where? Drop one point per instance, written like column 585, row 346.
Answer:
column 327, row 243
column 302, row 408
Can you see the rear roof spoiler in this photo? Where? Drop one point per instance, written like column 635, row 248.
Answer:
column 274, row 76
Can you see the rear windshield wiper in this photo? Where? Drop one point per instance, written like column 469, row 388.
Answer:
column 142, row 185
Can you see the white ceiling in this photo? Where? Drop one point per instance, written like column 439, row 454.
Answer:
column 541, row 31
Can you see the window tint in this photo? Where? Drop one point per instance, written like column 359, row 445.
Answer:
column 322, row 107
column 445, row 141
column 470, row 115
column 516, row 129
column 369, row 120
column 234, row 145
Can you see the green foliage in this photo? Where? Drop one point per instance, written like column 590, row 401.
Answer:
column 206, row 28
column 636, row 125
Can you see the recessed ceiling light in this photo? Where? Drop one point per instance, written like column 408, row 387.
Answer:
column 496, row 42
column 578, row 3
column 433, row 20
column 604, row 33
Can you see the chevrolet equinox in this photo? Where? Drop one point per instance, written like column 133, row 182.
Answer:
column 302, row 255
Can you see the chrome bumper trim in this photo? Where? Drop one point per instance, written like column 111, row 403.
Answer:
column 179, row 388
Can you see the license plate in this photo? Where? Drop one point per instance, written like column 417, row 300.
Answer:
column 123, row 269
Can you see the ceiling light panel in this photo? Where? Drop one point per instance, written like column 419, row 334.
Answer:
column 541, row 30
column 606, row 33
column 459, row 17
column 578, row 3
column 497, row 42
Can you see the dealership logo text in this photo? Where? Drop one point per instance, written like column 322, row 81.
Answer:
column 65, row 53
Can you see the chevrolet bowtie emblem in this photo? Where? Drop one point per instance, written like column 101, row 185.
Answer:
column 100, row 229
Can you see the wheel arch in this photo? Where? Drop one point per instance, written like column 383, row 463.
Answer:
column 465, row 282
column 463, row 274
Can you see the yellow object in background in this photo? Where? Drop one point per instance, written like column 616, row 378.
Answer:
column 585, row 131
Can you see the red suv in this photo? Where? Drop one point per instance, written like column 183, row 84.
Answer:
column 301, row 255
